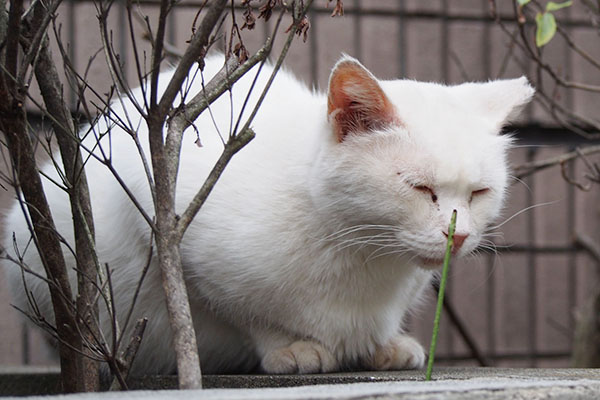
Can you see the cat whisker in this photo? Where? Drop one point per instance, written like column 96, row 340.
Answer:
column 353, row 229
column 503, row 246
column 521, row 181
column 396, row 251
column 521, row 212
column 534, row 146
column 489, row 232
column 411, row 259
column 484, row 240
column 476, row 253
column 498, row 234
column 383, row 234
column 485, row 246
column 488, row 247
column 382, row 239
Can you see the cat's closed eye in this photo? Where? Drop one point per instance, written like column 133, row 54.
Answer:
column 427, row 190
column 478, row 192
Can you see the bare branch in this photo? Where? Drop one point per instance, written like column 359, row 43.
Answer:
column 142, row 77
column 532, row 167
column 12, row 44
column 589, row 244
column 125, row 360
column 219, row 84
column 139, row 285
column 194, row 52
column 51, row 89
column 3, row 26
column 157, row 53
column 44, row 15
column 164, row 173
column 570, row 119
column 115, row 69
column 571, row 181
column 237, row 141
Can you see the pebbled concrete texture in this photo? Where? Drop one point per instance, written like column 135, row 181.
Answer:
column 447, row 383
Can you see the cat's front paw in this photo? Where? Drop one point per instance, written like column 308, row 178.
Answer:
column 301, row 357
column 401, row 352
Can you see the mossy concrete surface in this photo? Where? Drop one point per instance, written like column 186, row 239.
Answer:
column 447, row 383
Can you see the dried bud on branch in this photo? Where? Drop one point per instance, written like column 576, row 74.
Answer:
column 249, row 18
column 241, row 52
column 302, row 28
column 266, row 10
column 338, row 10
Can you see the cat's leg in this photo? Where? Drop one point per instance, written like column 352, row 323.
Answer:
column 281, row 354
column 401, row 352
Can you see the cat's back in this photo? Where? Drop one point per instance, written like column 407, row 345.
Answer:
column 287, row 124
column 288, row 130
column 286, row 127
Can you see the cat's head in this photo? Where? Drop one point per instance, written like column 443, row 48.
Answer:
column 402, row 155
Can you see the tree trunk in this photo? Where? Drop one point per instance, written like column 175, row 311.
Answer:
column 14, row 125
column 180, row 316
column 81, row 209
column 169, row 258
column 12, row 120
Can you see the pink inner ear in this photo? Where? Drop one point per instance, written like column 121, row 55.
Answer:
column 356, row 102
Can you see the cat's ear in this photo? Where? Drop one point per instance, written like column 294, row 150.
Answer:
column 500, row 101
column 355, row 102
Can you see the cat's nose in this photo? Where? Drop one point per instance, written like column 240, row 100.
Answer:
column 459, row 239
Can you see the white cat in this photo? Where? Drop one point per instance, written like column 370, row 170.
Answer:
column 321, row 235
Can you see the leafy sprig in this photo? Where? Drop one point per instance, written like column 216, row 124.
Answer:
column 545, row 21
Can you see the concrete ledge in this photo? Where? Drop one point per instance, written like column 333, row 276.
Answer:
column 448, row 383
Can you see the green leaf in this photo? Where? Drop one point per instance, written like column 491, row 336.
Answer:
column 522, row 3
column 552, row 6
column 546, row 28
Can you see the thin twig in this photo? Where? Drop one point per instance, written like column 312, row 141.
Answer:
column 589, row 244
column 236, row 142
column 571, row 181
column 219, row 84
column 532, row 167
column 194, row 52
column 138, row 287
column 127, row 356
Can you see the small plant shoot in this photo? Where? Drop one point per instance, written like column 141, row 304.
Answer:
column 440, row 301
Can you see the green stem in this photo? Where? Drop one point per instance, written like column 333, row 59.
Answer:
column 440, row 302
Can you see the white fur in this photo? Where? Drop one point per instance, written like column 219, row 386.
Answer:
column 309, row 252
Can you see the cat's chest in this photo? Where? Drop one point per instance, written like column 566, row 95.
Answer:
column 363, row 308
column 369, row 285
